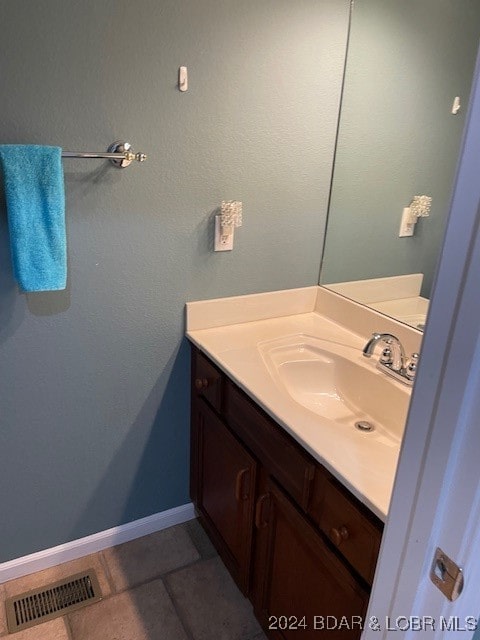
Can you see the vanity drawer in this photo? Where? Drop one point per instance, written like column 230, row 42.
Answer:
column 207, row 381
column 279, row 454
column 350, row 530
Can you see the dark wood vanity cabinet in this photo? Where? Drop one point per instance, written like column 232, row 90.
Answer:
column 300, row 585
column 297, row 543
column 225, row 491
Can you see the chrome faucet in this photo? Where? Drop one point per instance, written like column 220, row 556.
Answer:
column 392, row 360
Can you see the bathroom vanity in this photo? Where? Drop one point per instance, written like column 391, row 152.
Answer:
column 293, row 501
column 295, row 541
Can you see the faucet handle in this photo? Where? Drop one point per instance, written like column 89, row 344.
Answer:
column 412, row 365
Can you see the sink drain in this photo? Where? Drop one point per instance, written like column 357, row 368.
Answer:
column 363, row 425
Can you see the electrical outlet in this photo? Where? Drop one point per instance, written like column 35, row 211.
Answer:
column 407, row 227
column 222, row 242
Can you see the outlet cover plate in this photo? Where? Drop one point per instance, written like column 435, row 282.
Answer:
column 222, row 243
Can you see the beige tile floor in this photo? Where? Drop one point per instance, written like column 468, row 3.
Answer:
column 170, row 585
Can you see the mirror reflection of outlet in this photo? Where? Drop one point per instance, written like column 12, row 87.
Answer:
column 407, row 226
column 222, row 242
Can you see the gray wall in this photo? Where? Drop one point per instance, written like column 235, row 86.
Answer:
column 407, row 61
column 93, row 398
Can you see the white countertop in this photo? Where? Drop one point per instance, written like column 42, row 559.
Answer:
column 366, row 466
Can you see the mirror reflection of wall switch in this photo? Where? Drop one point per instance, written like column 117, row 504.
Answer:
column 222, row 242
column 183, row 79
column 407, row 227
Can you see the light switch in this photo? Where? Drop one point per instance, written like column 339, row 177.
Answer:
column 183, row 79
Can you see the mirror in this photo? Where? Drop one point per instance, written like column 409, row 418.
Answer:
column 407, row 62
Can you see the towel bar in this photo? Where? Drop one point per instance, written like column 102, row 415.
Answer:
column 119, row 153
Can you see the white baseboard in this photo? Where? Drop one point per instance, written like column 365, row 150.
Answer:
column 96, row 542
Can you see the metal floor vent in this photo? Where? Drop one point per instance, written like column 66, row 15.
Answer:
column 54, row 600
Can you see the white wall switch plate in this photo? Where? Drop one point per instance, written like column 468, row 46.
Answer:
column 456, row 106
column 406, row 226
column 183, row 79
column 222, row 242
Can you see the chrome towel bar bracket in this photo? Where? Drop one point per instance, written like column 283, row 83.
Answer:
column 119, row 153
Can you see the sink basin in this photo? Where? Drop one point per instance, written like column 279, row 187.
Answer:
column 337, row 383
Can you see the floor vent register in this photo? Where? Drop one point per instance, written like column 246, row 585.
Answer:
column 51, row 601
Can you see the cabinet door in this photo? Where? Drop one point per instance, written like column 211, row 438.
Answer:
column 224, row 490
column 301, row 589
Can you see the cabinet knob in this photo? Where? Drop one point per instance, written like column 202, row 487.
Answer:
column 337, row 536
column 201, row 383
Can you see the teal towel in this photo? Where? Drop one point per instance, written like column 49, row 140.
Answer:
column 34, row 190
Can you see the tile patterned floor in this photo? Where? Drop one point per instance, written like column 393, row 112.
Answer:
column 169, row 585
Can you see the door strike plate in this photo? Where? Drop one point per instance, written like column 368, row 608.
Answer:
column 446, row 575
